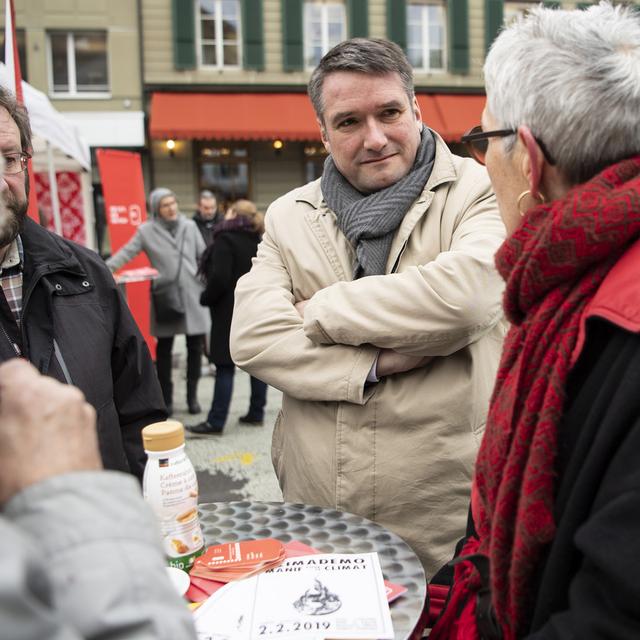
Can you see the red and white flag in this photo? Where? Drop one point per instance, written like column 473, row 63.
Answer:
column 12, row 62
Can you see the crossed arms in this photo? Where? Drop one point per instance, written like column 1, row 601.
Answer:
column 427, row 310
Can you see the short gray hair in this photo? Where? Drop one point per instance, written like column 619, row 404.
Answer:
column 573, row 77
column 360, row 55
column 205, row 194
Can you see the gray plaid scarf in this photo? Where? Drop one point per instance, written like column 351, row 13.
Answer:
column 369, row 221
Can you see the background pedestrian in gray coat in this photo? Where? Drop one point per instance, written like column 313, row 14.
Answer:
column 169, row 239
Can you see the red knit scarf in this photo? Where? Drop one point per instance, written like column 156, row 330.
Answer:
column 553, row 264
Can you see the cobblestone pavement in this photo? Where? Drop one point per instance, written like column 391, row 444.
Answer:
column 237, row 464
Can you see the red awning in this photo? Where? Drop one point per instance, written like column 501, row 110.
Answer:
column 459, row 112
column 288, row 116
column 233, row 116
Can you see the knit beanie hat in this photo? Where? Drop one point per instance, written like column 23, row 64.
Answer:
column 156, row 196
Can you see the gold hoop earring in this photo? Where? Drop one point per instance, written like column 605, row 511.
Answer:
column 522, row 196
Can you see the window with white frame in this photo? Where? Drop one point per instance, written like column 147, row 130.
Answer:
column 426, row 36
column 78, row 63
column 325, row 25
column 21, row 42
column 219, row 28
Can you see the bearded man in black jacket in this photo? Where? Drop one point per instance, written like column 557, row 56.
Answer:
column 61, row 309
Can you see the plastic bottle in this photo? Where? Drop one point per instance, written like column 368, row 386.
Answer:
column 170, row 487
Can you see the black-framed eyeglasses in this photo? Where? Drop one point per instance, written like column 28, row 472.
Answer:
column 477, row 142
column 15, row 163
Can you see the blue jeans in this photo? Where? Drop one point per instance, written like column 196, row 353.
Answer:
column 223, row 391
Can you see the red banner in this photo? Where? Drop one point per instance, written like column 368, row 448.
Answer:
column 125, row 209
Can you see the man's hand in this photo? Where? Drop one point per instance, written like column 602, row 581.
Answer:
column 46, row 429
column 390, row 362
column 300, row 307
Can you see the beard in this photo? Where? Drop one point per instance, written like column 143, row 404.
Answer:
column 12, row 214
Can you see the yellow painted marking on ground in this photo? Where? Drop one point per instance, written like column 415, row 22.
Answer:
column 245, row 458
column 227, row 458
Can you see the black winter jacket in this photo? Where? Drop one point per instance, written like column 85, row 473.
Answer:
column 77, row 328
column 228, row 259
column 589, row 585
column 206, row 226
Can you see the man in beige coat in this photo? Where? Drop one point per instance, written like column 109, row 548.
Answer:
column 373, row 304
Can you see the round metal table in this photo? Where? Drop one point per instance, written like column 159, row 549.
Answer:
column 328, row 531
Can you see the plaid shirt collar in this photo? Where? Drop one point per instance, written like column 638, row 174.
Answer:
column 14, row 256
column 11, row 277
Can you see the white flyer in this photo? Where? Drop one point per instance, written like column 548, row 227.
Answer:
column 223, row 616
column 339, row 596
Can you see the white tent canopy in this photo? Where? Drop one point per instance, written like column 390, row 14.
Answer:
column 49, row 124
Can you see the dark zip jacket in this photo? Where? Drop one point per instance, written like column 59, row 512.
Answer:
column 77, row 328
column 227, row 261
column 206, row 226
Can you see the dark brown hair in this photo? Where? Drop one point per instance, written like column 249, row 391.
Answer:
column 375, row 56
column 19, row 115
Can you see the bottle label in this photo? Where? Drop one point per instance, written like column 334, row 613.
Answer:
column 185, row 562
column 170, row 486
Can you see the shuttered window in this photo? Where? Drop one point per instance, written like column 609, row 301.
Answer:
column 252, row 35
column 358, row 18
column 397, row 22
column 493, row 20
column 291, row 35
column 184, row 34
column 458, row 11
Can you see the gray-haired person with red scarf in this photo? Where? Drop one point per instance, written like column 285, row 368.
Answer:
column 556, row 492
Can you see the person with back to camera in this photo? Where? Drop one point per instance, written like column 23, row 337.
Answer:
column 174, row 246
column 235, row 244
column 81, row 555
column 556, row 492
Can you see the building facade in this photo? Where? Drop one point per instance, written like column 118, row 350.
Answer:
column 225, row 82
column 85, row 56
column 212, row 93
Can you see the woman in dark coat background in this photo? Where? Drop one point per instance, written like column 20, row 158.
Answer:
column 235, row 243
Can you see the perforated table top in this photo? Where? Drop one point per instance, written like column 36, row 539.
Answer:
column 328, row 531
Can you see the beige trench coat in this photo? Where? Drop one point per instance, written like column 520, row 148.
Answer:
column 400, row 451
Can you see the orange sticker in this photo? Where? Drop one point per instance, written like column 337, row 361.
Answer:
column 245, row 554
